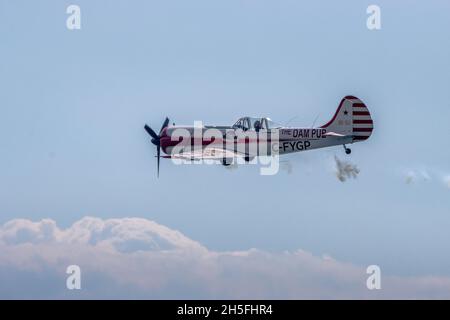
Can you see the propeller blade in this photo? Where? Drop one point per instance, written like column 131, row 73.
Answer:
column 158, row 151
column 151, row 132
column 165, row 124
column 156, row 140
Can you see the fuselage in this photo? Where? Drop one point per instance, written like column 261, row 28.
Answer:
column 280, row 140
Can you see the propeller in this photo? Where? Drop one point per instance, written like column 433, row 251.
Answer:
column 156, row 139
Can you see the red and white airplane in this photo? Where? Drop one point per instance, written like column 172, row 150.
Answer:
column 351, row 123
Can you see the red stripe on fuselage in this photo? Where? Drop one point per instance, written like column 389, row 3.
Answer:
column 355, row 121
column 166, row 141
column 360, row 137
column 362, row 129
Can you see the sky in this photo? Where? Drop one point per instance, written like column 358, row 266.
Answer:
column 73, row 105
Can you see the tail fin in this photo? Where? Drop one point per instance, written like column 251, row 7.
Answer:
column 351, row 118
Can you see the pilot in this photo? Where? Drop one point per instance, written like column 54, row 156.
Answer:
column 257, row 125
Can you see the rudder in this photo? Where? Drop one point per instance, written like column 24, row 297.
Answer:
column 351, row 118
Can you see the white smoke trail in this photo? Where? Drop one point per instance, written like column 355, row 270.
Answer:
column 447, row 181
column 426, row 174
column 345, row 169
column 410, row 177
column 414, row 176
column 286, row 166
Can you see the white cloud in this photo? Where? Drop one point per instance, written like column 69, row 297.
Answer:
column 138, row 258
column 122, row 235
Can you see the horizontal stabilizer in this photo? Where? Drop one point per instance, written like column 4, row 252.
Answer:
column 334, row 134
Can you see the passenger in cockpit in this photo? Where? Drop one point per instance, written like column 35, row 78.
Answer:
column 257, row 125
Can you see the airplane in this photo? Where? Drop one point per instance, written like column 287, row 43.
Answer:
column 351, row 123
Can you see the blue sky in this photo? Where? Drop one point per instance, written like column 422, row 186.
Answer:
column 73, row 105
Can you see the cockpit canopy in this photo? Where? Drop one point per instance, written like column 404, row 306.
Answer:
column 250, row 123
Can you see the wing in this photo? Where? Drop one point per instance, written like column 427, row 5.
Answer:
column 207, row 154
